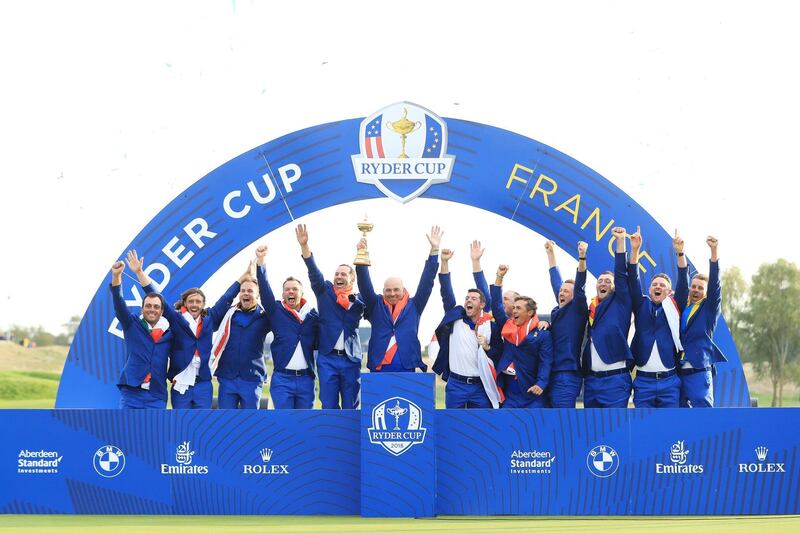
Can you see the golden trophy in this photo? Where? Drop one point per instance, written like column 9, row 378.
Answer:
column 404, row 127
column 362, row 257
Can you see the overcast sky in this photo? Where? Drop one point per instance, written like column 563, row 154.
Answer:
column 108, row 110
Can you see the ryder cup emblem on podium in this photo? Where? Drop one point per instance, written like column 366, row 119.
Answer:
column 403, row 151
column 397, row 425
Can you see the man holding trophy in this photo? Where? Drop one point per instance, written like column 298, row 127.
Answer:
column 395, row 314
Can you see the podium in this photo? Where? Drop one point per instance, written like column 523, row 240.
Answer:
column 398, row 445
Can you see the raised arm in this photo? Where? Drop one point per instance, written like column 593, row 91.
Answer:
column 634, row 283
column 120, row 309
column 620, row 266
column 217, row 312
column 137, row 267
column 445, row 283
column 265, row 293
column 428, row 276
column 682, row 283
column 555, row 274
column 364, row 281
column 475, row 254
column 314, row 274
column 579, row 293
column 714, row 293
column 498, row 310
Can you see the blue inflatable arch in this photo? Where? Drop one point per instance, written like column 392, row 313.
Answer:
column 322, row 166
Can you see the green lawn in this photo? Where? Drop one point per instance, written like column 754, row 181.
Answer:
column 28, row 389
column 727, row 524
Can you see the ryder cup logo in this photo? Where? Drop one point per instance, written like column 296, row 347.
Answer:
column 602, row 461
column 397, row 425
column 109, row 461
column 403, row 151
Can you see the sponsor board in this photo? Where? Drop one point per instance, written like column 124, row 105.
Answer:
column 679, row 462
column 38, row 462
column 109, row 461
column 762, row 466
column 531, row 462
column 264, row 468
column 183, row 456
column 602, row 461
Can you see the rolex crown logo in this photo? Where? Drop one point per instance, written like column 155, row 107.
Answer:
column 266, row 454
column 761, row 453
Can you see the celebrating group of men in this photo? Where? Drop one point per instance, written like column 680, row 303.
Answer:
column 493, row 351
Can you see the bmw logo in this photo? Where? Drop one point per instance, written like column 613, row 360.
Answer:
column 109, row 461
column 602, row 461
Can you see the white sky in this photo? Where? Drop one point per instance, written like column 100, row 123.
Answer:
column 109, row 109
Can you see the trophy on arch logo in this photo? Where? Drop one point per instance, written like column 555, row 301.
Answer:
column 403, row 151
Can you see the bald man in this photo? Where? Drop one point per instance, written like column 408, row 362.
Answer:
column 395, row 314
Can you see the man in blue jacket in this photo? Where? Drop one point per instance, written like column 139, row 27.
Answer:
column 656, row 343
column 567, row 326
column 237, row 356
column 193, row 326
column 148, row 342
column 526, row 349
column 698, row 320
column 294, row 323
column 470, row 345
column 394, row 315
column 606, row 354
column 339, row 350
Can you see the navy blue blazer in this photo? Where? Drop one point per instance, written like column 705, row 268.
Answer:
column 568, row 323
column 697, row 336
column 651, row 325
column 333, row 318
column 612, row 320
column 186, row 343
column 287, row 330
column 452, row 313
column 243, row 356
column 142, row 355
column 406, row 328
column 533, row 358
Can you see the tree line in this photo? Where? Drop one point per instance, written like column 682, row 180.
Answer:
column 764, row 318
column 42, row 337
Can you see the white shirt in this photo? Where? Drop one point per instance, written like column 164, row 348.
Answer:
column 599, row 366
column 654, row 363
column 463, row 350
column 298, row 360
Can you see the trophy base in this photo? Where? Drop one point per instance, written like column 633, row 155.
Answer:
column 362, row 259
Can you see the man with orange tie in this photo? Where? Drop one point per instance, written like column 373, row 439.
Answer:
column 394, row 315
column 339, row 346
column 294, row 324
column 526, row 349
